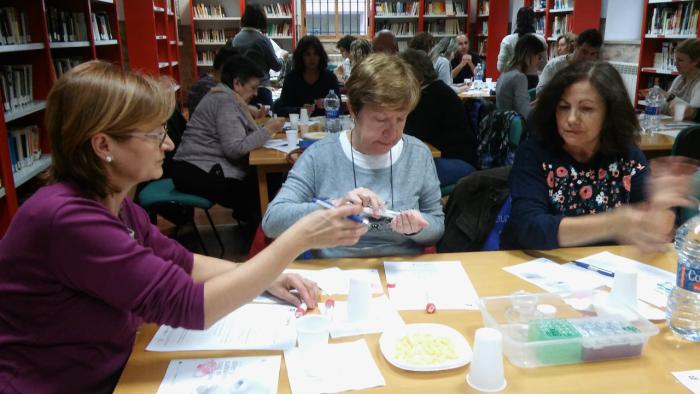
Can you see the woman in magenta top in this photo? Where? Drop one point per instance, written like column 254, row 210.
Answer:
column 81, row 267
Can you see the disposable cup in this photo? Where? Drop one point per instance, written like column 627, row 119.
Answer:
column 292, row 137
column 486, row 371
column 294, row 120
column 303, row 115
column 679, row 111
column 624, row 290
column 312, row 331
column 359, row 297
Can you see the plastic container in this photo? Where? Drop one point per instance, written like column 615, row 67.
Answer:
column 571, row 328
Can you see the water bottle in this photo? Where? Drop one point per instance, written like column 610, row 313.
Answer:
column 332, row 106
column 683, row 308
column 478, row 76
column 653, row 109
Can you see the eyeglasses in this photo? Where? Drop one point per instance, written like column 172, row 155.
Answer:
column 160, row 137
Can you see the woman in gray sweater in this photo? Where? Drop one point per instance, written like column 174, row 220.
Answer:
column 373, row 165
column 212, row 159
column 511, row 89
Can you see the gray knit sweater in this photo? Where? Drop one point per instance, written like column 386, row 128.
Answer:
column 324, row 170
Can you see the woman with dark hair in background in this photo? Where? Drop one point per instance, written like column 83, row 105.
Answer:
column 309, row 82
column 253, row 26
column 524, row 24
column 441, row 120
column 511, row 88
column 583, row 180
column 212, row 159
column 425, row 42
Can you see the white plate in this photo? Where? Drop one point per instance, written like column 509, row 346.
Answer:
column 387, row 344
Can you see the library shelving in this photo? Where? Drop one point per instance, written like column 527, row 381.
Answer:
column 665, row 25
column 280, row 21
column 491, row 26
column 152, row 36
column 213, row 22
column 44, row 39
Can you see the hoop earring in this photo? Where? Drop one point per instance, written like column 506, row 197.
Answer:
column 108, row 159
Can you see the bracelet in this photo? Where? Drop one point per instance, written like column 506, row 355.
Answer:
column 670, row 97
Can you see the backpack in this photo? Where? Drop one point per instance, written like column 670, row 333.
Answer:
column 499, row 135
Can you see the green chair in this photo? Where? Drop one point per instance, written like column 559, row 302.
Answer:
column 533, row 94
column 687, row 143
column 160, row 197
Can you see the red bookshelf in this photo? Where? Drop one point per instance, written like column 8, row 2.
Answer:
column 213, row 16
column 655, row 41
column 491, row 26
column 570, row 15
column 42, row 49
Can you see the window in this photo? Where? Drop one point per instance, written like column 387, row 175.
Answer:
column 336, row 18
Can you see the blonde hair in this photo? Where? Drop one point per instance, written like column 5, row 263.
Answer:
column 95, row 97
column 690, row 47
column 385, row 81
column 570, row 40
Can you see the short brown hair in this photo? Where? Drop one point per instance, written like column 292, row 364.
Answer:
column 99, row 97
column 385, row 81
column 690, row 47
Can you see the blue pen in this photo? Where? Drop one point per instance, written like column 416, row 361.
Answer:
column 593, row 268
column 328, row 205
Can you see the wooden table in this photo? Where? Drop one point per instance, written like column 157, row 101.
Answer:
column 654, row 145
column 650, row 373
column 269, row 161
column 471, row 95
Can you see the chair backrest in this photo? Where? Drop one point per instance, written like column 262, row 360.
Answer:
column 687, row 143
column 533, row 94
column 176, row 128
column 500, row 133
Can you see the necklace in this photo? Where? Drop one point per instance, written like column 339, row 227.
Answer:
column 391, row 169
column 130, row 230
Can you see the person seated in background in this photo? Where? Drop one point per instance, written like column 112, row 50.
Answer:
column 385, row 42
column 583, row 180
column 524, row 24
column 212, row 159
column 309, row 82
column 81, row 266
column 359, row 49
column 566, row 43
column 424, row 41
column 587, row 49
column 464, row 61
column 511, row 88
column 253, row 26
column 342, row 72
column 374, row 165
column 203, row 85
column 441, row 120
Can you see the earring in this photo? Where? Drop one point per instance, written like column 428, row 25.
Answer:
column 108, row 159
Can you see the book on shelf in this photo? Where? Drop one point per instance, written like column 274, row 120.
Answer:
column 404, row 8
column 279, row 29
column 25, row 147
column 66, row 26
column 562, row 24
column 450, row 26
column 13, row 27
column 563, row 4
column 436, row 7
column 399, row 28
column 676, row 18
column 665, row 61
column 482, row 46
column 483, row 7
column 214, row 35
column 278, row 9
column 101, row 30
column 485, row 28
column 16, row 86
column 205, row 57
column 62, row 65
column 539, row 5
column 208, row 11
column 539, row 24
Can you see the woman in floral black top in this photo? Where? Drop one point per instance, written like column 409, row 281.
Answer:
column 581, row 180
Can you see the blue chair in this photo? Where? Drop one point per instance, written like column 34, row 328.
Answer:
column 160, row 197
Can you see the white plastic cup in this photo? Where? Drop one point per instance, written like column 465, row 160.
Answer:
column 624, row 290
column 489, row 80
column 467, row 81
column 292, row 137
column 312, row 331
column 294, row 120
column 359, row 297
column 304, row 115
column 486, row 371
column 679, row 111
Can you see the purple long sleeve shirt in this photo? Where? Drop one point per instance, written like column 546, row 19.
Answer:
column 75, row 286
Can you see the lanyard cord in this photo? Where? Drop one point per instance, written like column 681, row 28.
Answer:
column 391, row 170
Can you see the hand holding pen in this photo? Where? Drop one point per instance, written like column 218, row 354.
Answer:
column 327, row 228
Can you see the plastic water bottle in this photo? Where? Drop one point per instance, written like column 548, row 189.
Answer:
column 653, row 109
column 478, row 76
column 332, row 106
column 683, row 308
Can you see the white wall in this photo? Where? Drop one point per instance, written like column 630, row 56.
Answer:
column 623, row 20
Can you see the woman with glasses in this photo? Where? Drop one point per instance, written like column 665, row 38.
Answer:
column 81, row 267
column 373, row 165
column 511, row 88
column 582, row 179
column 212, row 159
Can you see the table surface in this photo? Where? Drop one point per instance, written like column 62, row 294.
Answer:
column 650, row 373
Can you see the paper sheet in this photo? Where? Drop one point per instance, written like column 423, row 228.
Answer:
column 412, row 285
column 252, row 326
column 382, row 317
column 553, row 277
column 690, row 379
column 216, row 375
column 279, row 144
column 332, row 368
column 653, row 284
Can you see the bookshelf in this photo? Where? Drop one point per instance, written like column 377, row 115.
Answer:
column 48, row 34
column 491, row 26
column 151, row 32
column 280, row 21
column 213, row 22
column 665, row 25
